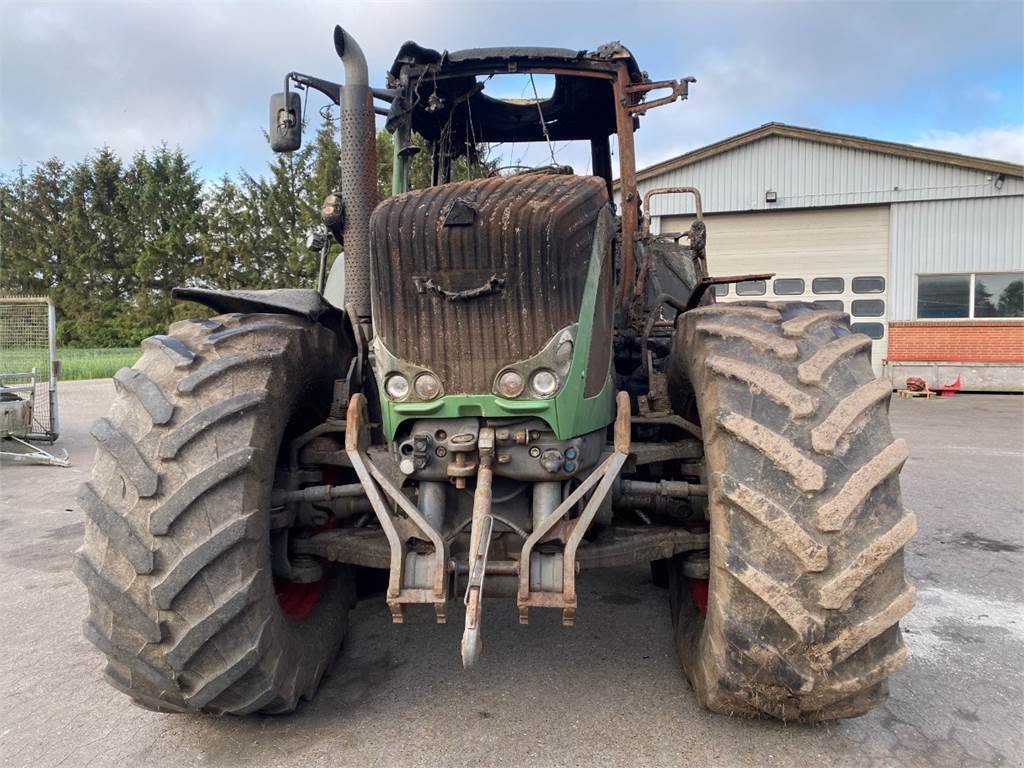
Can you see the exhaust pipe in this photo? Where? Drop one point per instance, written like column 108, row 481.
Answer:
column 358, row 173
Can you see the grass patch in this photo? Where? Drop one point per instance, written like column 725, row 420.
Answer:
column 95, row 363
column 74, row 363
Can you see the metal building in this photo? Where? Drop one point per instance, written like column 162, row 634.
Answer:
column 924, row 249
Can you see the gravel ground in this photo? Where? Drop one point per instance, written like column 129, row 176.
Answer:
column 607, row 692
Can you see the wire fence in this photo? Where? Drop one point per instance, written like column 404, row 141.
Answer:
column 27, row 358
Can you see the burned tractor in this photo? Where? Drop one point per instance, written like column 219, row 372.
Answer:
column 505, row 381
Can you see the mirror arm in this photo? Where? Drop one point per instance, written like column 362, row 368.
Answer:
column 333, row 90
column 326, row 87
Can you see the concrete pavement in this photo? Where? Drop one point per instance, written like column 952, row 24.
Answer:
column 608, row 692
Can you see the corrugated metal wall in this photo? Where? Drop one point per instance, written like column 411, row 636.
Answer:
column 970, row 235
column 807, row 174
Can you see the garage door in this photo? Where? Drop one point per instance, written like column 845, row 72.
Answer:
column 837, row 257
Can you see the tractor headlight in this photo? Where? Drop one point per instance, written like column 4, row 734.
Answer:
column 396, row 386
column 427, row 386
column 563, row 355
column 510, row 384
column 544, row 383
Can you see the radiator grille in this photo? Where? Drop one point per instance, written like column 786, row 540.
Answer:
column 534, row 232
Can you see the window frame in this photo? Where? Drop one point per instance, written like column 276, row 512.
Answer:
column 883, row 326
column 762, row 292
column 842, row 285
column 970, row 298
column 777, row 280
column 855, row 302
column 853, row 285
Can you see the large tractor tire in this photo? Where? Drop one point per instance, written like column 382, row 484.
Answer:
column 806, row 584
column 177, row 555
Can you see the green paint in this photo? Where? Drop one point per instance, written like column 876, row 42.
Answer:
column 569, row 413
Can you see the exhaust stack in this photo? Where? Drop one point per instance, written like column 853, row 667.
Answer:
column 358, row 173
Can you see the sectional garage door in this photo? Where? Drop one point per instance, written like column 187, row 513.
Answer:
column 838, row 257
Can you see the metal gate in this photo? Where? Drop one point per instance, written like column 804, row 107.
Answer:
column 28, row 360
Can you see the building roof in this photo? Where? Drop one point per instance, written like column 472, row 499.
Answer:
column 834, row 139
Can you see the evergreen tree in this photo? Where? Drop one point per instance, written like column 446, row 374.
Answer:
column 109, row 239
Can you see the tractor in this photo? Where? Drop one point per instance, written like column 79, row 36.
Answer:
column 504, row 381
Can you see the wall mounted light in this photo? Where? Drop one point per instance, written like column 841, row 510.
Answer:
column 770, row 196
column 999, row 181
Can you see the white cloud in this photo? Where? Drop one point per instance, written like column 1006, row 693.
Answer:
column 1004, row 143
column 197, row 74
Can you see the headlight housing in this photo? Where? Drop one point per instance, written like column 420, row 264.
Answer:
column 541, row 376
column 510, row 384
column 544, row 383
column 427, row 386
column 396, row 387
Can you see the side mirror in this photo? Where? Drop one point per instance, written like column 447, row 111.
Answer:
column 285, row 122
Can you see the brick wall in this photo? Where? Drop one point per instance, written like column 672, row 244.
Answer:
column 979, row 341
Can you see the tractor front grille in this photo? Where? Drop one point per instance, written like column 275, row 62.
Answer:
column 525, row 241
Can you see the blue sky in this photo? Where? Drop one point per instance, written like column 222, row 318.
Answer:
column 77, row 75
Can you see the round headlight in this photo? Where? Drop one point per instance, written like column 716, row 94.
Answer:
column 544, row 383
column 427, row 386
column 396, row 386
column 510, row 384
column 564, row 353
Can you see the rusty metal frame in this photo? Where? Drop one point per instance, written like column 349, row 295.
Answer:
column 698, row 205
column 398, row 530
column 627, row 183
column 572, row 531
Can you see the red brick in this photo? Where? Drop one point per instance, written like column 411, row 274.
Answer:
column 986, row 341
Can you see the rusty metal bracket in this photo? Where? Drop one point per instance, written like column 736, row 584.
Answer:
column 495, row 283
column 399, row 530
column 680, row 90
column 603, row 478
column 707, row 282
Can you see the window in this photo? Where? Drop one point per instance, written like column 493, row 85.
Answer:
column 943, row 296
column 827, row 285
column 722, row 289
column 788, row 286
column 751, row 288
column 999, row 295
column 828, row 304
column 868, row 307
column 869, row 285
column 981, row 295
column 871, row 330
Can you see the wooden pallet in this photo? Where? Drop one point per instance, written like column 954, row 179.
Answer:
column 906, row 394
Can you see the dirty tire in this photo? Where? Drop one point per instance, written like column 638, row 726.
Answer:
column 176, row 557
column 807, row 581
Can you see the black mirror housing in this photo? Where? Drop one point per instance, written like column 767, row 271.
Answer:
column 285, row 122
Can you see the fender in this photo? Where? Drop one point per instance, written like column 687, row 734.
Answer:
column 304, row 302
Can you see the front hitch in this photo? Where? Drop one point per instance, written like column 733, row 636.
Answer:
column 479, row 544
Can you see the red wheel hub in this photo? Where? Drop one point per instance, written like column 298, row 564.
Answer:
column 699, row 592
column 297, row 600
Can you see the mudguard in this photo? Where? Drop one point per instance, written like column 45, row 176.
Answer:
column 303, row 302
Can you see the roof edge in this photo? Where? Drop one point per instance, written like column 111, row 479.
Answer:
column 834, row 139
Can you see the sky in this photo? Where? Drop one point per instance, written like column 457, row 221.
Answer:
column 78, row 75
